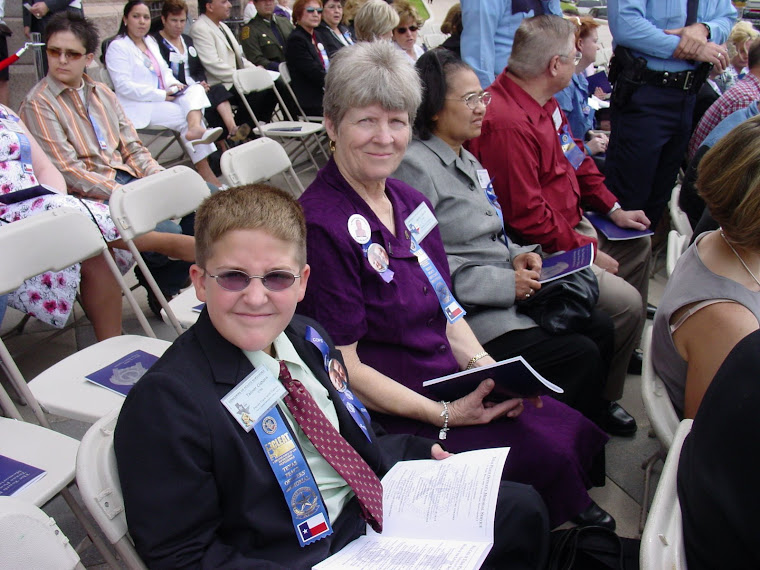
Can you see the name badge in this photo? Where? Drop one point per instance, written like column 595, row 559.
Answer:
column 483, row 178
column 572, row 152
column 557, row 118
column 192, row 51
column 358, row 227
column 253, row 397
column 421, row 222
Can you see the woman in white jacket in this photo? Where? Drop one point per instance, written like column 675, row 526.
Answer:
column 150, row 94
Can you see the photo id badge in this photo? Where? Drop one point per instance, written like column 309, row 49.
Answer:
column 254, row 396
column 483, row 178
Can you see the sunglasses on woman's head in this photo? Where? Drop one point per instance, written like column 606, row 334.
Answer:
column 235, row 280
column 402, row 30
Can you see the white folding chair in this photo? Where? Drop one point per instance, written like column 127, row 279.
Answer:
column 256, row 161
column 678, row 218
column 52, row 452
column 98, row 482
column 138, row 207
column 662, row 543
column 433, row 40
column 677, row 244
column 256, row 79
column 285, row 74
column 662, row 416
column 52, row 241
column 31, row 539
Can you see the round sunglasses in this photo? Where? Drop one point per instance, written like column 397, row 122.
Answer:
column 402, row 30
column 236, row 280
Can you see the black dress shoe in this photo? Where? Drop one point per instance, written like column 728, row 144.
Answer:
column 636, row 362
column 595, row 516
column 616, row 421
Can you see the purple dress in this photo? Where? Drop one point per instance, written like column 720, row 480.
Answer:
column 401, row 332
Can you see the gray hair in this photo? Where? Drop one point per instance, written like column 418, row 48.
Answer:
column 373, row 20
column 371, row 73
column 537, row 41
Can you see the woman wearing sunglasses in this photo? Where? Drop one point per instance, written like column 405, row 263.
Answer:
column 405, row 34
column 306, row 56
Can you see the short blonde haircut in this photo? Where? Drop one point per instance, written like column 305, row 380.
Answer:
column 250, row 207
column 728, row 179
column 406, row 12
column 741, row 33
column 373, row 20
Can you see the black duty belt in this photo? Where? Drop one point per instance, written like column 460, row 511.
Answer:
column 683, row 80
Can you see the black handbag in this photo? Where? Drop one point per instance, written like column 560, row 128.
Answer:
column 563, row 305
column 592, row 548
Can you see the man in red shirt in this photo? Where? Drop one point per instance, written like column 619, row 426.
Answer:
column 544, row 180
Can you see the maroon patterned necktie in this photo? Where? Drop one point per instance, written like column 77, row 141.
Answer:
column 335, row 449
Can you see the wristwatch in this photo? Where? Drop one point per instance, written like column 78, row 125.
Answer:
column 709, row 31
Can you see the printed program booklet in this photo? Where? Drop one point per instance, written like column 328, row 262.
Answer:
column 436, row 514
column 514, row 378
column 121, row 375
column 598, row 80
column 613, row 232
column 566, row 263
column 15, row 476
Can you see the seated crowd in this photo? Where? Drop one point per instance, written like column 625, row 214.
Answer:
column 345, row 279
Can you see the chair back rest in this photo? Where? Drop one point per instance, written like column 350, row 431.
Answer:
column 284, row 72
column 49, row 241
column 254, row 161
column 252, row 79
column 137, row 207
column 677, row 244
column 31, row 539
column 657, row 404
column 678, row 218
column 662, row 544
column 98, row 478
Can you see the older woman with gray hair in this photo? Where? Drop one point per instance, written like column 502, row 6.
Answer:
column 380, row 286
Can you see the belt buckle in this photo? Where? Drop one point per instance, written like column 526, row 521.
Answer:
column 689, row 81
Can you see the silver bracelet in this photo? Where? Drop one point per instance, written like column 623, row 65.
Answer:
column 445, row 416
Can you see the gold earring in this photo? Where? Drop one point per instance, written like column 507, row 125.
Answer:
column 331, row 146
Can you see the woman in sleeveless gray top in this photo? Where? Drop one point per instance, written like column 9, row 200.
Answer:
column 712, row 300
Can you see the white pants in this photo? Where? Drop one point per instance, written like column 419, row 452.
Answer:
column 173, row 115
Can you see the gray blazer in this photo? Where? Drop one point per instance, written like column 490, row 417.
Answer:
column 479, row 259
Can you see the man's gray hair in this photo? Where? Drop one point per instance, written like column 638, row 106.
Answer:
column 371, row 73
column 537, row 41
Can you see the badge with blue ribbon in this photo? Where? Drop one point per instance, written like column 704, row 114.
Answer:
column 337, row 373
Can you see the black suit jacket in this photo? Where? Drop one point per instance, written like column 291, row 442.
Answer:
column 306, row 71
column 198, row 489
column 193, row 61
column 328, row 39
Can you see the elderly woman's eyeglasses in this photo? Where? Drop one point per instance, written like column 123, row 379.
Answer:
column 474, row 99
column 235, row 280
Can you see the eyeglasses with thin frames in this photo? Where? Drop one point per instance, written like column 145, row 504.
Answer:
column 402, row 29
column 576, row 58
column 472, row 100
column 235, row 280
column 71, row 55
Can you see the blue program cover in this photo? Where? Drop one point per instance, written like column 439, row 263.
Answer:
column 514, row 378
column 613, row 232
column 566, row 263
column 598, row 80
column 121, row 375
column 15, row 475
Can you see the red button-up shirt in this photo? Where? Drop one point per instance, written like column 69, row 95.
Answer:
column 541, row 194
